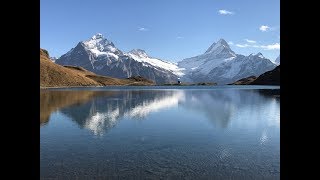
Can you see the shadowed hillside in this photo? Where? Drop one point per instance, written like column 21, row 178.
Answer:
column 268, row 78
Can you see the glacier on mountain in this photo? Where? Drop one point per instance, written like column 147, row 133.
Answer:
column 141, row 56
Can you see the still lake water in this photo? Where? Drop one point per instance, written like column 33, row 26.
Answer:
column 219, row 132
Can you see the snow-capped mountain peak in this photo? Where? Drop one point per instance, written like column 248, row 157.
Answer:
column 97, row 36
column 218, row 46
column 223, row 42
column 260, row 55
column 220, row 49
column 139, row 52
column 220, row 64
column 216, row 54
column 99, row 45
column 97, row 41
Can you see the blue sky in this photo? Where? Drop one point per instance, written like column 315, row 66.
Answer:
column 166, row 29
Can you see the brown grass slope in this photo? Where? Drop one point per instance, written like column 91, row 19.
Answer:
column 244, row 81
column 54, row 75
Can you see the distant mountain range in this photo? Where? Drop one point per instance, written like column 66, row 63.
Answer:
column 218, row 64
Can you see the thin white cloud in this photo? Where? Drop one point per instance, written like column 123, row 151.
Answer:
column 264, row 28
column 225, row 12
column 242, row 45
column 142, row 29
column 250, row 41
column 180, row 37
column 275, row 46
column 230, row 43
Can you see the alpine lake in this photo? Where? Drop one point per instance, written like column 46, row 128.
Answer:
column 160, row 132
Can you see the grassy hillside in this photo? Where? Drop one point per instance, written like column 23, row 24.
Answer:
column 244, row 81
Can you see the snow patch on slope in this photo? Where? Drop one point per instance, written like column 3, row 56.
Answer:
column 141, row 56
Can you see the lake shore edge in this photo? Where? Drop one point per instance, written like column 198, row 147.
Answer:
column 70, row 87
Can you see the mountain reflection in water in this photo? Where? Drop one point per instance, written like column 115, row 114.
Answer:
column 100, row 111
